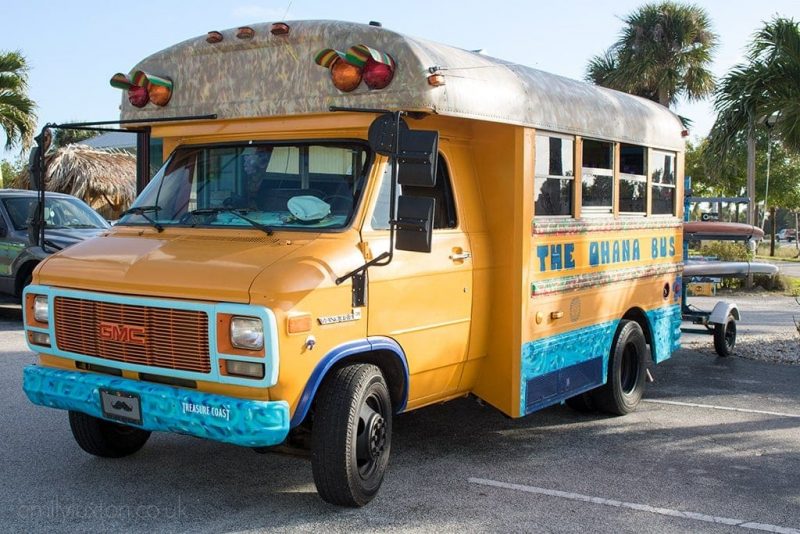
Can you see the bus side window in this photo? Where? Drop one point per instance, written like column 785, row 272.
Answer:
column 632, row 179
column 554, row 175
column 445, row 211
column 662, row 171
column 597, row 177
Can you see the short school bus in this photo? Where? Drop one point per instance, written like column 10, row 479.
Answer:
column 255, row 295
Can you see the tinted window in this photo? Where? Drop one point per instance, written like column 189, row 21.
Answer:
column 58, row 213
column 632, row 179
column 662, row 174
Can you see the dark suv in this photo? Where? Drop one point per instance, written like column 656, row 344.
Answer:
column 67, row 221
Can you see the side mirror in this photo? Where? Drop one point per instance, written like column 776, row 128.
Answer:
column 417, row 155
column 35, row 167
column 417, row 150
column 414, row 227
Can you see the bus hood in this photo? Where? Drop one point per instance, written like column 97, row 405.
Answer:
column 218, row 266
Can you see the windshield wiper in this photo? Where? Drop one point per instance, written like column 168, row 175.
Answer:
column 142, row 212
column 235, row 211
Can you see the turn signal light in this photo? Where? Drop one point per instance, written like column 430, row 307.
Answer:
column 246, row 369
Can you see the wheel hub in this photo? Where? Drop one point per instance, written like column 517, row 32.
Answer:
column 376, row 435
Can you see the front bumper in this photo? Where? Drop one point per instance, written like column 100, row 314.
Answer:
column 249, row 423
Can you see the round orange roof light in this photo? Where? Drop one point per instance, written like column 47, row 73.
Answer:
column 159, row 95
column 345, row 77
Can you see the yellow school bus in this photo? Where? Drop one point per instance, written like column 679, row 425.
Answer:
column 350, row 224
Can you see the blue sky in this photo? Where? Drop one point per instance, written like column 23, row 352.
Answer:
column 74, row 47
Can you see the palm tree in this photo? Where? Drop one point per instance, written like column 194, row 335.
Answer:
column 17, row 117
column 762, row 92
column 767, row 85
column 663, row 53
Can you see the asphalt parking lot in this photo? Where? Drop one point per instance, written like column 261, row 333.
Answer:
column 715, row 448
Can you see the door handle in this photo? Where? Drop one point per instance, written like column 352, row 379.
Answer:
column 461, row 256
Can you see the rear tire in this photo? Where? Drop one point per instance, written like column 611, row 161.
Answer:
column 351, row 435
column 627, row 371
column 104, row 438
column 725, row 337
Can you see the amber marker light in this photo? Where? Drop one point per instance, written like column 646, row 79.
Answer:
column 214, row 37
column 299, row 323
column 436, row 80
column 279, row 28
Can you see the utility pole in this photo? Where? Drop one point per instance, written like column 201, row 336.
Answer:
column 751, row 184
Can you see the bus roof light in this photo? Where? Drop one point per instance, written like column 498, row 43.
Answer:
column 279, row 28
column 245, row 32
column 436, row 80
column 214, row 37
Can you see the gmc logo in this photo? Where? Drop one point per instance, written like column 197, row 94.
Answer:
column 123, row 333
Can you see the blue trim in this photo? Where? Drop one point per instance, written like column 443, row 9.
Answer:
column 548, row 356
column 335, row 355
column 665, row 326
column 556, row 386
column 244, row 422
column 266, row 315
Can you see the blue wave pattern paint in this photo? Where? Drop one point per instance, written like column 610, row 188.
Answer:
column 546, row 357
column 564, row 365
column 665, row 325
column 242, row 422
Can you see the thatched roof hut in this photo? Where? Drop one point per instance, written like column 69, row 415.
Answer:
column 106, row 180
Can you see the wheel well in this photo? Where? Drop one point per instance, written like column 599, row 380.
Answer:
column 390, row 365
column 22, row 273
column 638, row 315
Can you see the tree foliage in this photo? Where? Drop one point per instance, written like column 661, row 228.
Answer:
column 728, row 177
column 663, row 52
column 17, row 116
column 65, row 136
column 766, row 85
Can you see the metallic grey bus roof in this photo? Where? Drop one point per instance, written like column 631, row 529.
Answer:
column 273, row 75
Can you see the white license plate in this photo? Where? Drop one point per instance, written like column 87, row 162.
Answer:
column 122, row 406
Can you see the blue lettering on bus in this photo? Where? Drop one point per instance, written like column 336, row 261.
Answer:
column 615, row 252
column 541, row 253
column 594, row 254
column 555, row 257
column 671, row 246
column 569, row 259
column 604, row 259
column 626, row 250
column 636, row 255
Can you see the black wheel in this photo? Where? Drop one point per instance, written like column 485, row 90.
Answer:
column 104, row 438
column 725, row 337
column 582, row 403
column 627, row 371
column 351, row 435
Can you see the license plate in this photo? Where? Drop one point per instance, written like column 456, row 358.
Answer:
column 124, row 407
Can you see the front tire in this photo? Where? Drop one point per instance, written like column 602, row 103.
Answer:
column 627, row 371
column 351, row 435
column 104, row 438
column 725, row 337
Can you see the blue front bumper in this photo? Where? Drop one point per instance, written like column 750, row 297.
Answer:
column 243, row 422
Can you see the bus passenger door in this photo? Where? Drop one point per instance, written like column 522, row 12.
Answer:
column 423, row 301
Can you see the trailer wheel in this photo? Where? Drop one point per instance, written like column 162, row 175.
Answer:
column 725, row 337
column 351, row 435
column 627, row 371
column 104, row 438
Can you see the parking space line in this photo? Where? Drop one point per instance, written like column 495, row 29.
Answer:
column 715, row 407
column 752, row 525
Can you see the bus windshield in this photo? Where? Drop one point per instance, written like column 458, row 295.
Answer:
column 279, row 185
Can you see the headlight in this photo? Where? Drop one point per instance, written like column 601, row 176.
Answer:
column 41, row 308
column 247, row 333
